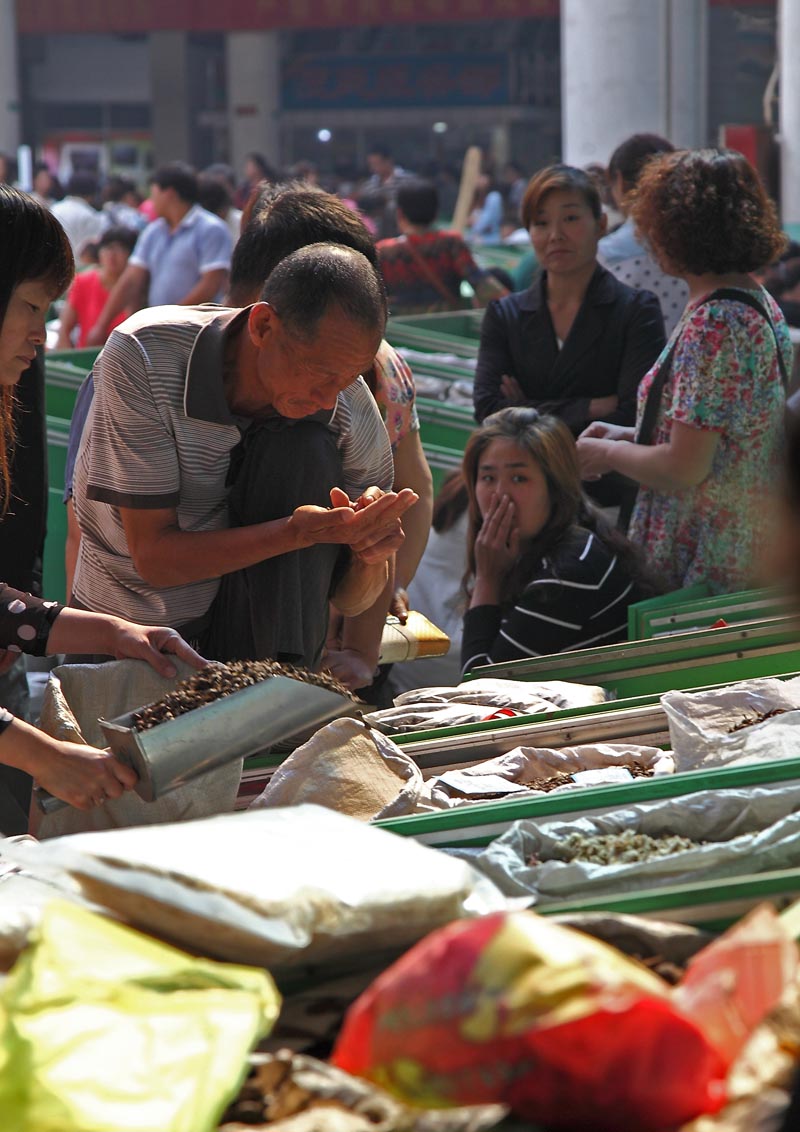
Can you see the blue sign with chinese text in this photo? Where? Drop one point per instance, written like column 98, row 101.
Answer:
column 395, row 81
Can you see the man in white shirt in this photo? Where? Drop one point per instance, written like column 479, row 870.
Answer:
column 77, row 215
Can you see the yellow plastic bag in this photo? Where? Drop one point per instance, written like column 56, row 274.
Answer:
column 105, row 1030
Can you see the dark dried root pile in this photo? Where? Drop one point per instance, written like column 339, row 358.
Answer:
column 217, row 680
column 560, row 779
column 751, row 721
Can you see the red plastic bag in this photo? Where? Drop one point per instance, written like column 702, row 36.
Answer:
column 512, row 1008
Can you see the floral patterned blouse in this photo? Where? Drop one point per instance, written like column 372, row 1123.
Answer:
column 725, row 378
column 395, row 393
column 25, row 623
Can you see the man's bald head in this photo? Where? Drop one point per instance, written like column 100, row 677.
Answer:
column 310, row 282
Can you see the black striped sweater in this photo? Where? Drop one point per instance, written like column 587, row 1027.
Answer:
column 578, row 598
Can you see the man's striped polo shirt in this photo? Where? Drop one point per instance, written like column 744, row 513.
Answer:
column 160, row 435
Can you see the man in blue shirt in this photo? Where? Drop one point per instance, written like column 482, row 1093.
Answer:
column 182, row 258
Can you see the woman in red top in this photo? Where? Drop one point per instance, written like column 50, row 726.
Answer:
column 89, row 291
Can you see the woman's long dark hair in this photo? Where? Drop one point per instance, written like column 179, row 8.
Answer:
column 450, row 502
column 33, row 245
column 552, row 447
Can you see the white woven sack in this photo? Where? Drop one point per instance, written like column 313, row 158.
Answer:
column 700, row 723
column 347, row 767
column 75, row 697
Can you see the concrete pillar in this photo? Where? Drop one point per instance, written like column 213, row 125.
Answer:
column 9, row 78
column 253, row 65
column 629, row 67
column 687, row 73
column 789, row 53
column 170, row 96
column 501, row 145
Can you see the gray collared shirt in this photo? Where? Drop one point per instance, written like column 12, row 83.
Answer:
column 160, row 436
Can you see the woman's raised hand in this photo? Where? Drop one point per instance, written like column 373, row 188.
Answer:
column 593, row 454
column 497, row 542
column 595, row 447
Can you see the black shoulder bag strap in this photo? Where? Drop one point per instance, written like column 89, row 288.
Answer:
column 645, row 431
column 644, row 434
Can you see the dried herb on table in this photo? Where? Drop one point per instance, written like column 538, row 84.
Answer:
column 747, row 721
column 639, row 771
column 545, row 785
column 292, row 1090
column 617, row 848
column 548, row 784
column 217, row 680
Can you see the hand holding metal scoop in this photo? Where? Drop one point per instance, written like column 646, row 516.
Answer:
column 173, row 753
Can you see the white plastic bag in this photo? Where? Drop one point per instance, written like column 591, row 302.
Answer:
column 737, row 832
column 700, row 723
column 476, row 700
column 513, row 772
column 24, row 895
column 425, row 716
column 520, row 695
column 273, row 888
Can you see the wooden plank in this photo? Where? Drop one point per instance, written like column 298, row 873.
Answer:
column 470, row 172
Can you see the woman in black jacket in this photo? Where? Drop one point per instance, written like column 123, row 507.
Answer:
column 577, row 342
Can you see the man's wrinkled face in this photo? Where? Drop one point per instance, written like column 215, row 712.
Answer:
column 301, row 378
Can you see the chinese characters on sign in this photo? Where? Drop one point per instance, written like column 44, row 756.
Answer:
column 339, row 82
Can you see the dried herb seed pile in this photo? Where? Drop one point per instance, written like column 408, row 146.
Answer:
column 217, row 680
column 548, row 784
column 545, row 785
column 751, row 721
column 620, row 848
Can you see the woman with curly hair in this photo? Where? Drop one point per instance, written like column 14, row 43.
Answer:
column 706, row 450
column 545, row 571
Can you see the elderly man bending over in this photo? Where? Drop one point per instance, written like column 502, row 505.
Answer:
column 176, row 388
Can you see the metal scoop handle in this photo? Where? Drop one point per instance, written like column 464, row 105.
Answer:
column 47, row 802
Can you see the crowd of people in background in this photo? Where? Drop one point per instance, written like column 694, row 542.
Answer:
column 495, row 214
column 245, row 464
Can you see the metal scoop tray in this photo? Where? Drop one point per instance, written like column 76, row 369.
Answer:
column 175, row 752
